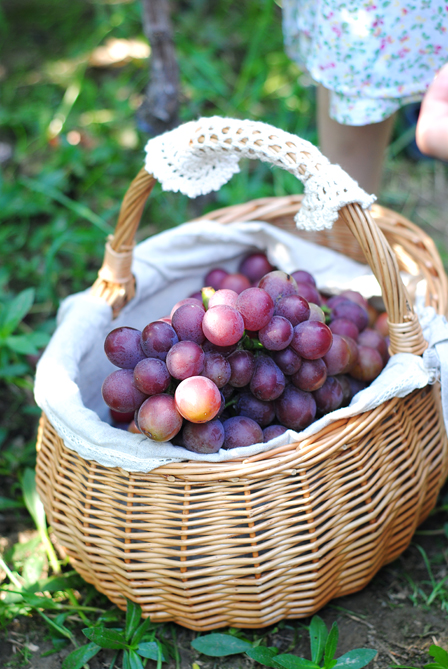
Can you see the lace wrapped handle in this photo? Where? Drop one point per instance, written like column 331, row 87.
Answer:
column 201, row 156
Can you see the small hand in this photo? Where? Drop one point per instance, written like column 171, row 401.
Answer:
column 432, row 125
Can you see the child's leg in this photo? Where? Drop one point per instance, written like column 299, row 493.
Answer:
column 359, row 150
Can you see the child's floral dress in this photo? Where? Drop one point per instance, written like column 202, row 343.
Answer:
column 373, row 55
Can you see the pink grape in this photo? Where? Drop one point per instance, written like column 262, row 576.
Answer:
column 273, row 431
column 354, row 296
column 256, row 307
column 338, row 359
column 120, row 392
column 223, row 325
column 187, row 322
column 261, row 412
column 197, row 399
column 295, row 409
column 293, row 307
column 223, row 296
column 158, row 418
column 157, row 339
column 301, row 276
column 316, row 313
column 287, row 360
column 185, row 359
column 373, row 339
column 165, row 319
column 242, row 365
column 237, row 282
column 277, row 334
column 329, row 397
column 311, row 375
column 309, row 292
column 342, row 326
column 278, row 284
column 312, row 339
column 268, row 381
column 151, row 376
column 241, row 431
column 215, row 277
column 217, row 369
column 187, row 300
column 354, row 312
column 203, row 437
column 122, row 347
column 255, row 266
column 368, row 365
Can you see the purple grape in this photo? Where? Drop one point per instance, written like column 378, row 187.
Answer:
column 311, row 375
column 277, row 334
column 346, row 389
column 301, row 276
column 309, row 292
column 241, row 431
column 151, row 376
column 187, row 322
column 237, row 282
column 330, row 396
column 122, row 347
column 217, row 369
column 203, row 437
column 293, row 307
column 268, row 381
column 312, row 339
column 242, row 365
column 354, row 312
column 295, row 409
column 338, row 359
column 356, row 385
column 120, row 392
column 255, row 266
column 208, row 347
column 373, row 339
column 344, row 327
column 157, row 339
column 185, row 359
column 215, row 277
column 288, row 360
column 278, row 284
column 158, row 418
column 334, row 300
column 227, row 391
column 261, row 412
column 256, row 307
column 354, row 296
column 273, row 431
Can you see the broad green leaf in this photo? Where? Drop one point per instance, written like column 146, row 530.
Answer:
column 78, row 658
column 18, row 369
column 32, row 499
column 21, row 344
column 106, row 638
column 330, row 646
column 141, row 631
column 6, row 503
column 439, row 654
column 293, row 662
column 133, row 615
column 318, row 638
column 126, row 663
column 32, row 568
column 38, row 602
column 55, row 583
column 59, row 629
column 432, row 665
column 149, row 649
column 355, row 659
column 220, row 645
column 263, row 655
column 16, row 310
column 134, row 660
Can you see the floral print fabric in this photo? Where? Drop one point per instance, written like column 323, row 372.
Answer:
column 374, row 56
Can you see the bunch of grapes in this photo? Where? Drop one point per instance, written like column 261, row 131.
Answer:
column 254, row 353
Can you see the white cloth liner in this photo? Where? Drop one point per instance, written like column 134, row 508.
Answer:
column 167, row 268
column 201, row 156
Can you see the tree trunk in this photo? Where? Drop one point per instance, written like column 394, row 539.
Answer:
column 159, row 110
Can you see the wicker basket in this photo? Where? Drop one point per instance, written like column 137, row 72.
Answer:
column 248, row 543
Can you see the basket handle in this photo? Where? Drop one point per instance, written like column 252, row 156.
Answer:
column 115, row 282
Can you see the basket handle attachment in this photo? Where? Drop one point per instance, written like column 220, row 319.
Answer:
column 193, row 144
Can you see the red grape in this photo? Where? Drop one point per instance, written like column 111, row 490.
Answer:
column 295, row 409
column 223, row 325
column 268, row 381
column 237, row 282
column 120, row 392
column 197, row 399
column 215, row 277
column 187, row 300
column 293, row 307
column 338, row 359
column 151, row 376
column 278, row 284
column 255, row 266
column 158, row 418
column 122, row 347
column 185, row 359
column 373, row 339
column 157, row 339
column 242, row 365
column 312, row 339
column 187, row 322
column 354, row 312
column 354, row 296
column 311, row 375
column 382, row 324
column 120, row 417
column 342, row 326
column 277, row 334
column 223, row 296
column 256, row 307
column 217, row 369
column 241, row 431
column 203, row 437
column 309, row 292
column 368, row 365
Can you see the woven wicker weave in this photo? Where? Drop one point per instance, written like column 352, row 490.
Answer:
column 247, row 543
